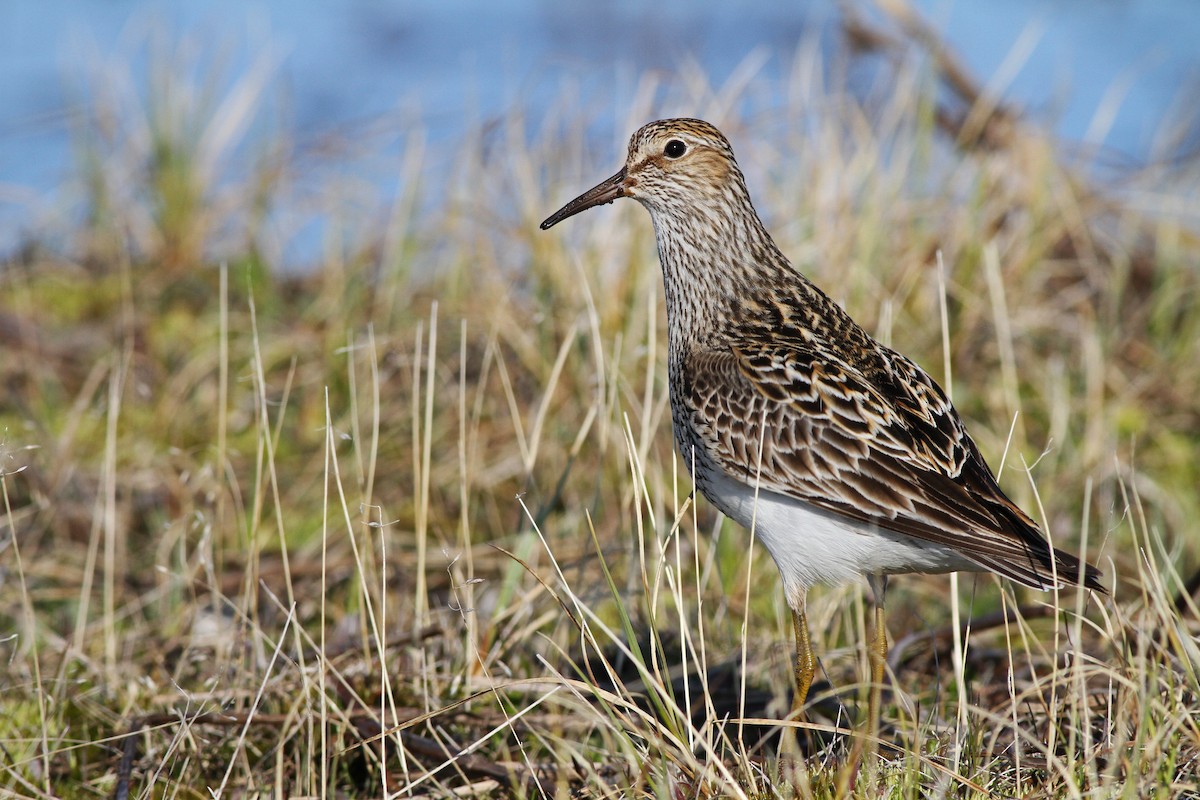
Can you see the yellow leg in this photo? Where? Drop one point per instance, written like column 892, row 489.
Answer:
column 877, row 655
column 806, row 663
column 878, row 659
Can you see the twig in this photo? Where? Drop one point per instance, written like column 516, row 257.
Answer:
column 985, row 122
column 942, row 638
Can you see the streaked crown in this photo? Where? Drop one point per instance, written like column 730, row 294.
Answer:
column 675, row 161
column 674, row 165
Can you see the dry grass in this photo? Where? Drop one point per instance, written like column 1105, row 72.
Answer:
column 411, row 523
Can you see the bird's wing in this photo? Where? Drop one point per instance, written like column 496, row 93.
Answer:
column 887, row 451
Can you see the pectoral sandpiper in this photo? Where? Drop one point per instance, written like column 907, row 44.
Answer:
column 844, row 457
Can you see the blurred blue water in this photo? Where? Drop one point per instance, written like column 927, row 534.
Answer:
column 342, row 64
column 1145, row 54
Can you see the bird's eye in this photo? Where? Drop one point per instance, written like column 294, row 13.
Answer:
column 674, row 149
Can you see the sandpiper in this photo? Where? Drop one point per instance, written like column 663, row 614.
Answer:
column 843, row 456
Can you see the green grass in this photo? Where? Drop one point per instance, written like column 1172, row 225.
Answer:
column 428, row 487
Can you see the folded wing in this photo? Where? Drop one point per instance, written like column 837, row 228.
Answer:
column 877, row 442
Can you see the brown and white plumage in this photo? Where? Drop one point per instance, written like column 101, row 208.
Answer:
column 843, row 455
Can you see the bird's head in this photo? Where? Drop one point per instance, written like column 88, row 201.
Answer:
column 671, row 163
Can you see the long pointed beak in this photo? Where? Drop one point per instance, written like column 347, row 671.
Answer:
column 606, row 192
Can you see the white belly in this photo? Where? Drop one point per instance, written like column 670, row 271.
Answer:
column 811, row 545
